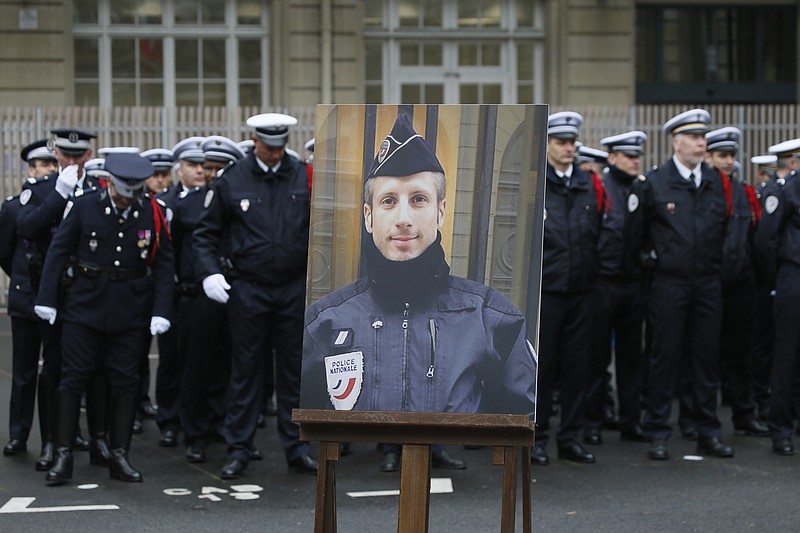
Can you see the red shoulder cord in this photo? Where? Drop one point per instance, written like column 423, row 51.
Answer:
column 603, row 201
column 726, row 186
column 158, row 221
column 755, row 205
column 310, row 172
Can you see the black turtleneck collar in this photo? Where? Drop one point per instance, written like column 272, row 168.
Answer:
column 620, row 175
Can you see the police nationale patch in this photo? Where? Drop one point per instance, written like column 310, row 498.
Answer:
column 208, row 198
column 633, row 203
column 25, row 196
column 770, row 204
column 344, row 374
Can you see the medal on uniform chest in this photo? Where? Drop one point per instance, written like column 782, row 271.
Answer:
column 245, row 205
column 93, row 245
column 671, row 208
column 143, row 238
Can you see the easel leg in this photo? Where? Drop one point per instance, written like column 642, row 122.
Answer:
column 325, row 513
column 526, row 490
column 415, row 488
column 508, row 517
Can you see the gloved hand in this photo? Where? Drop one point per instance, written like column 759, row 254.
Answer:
column 45, row 313
column 65, row 184
column 216, row 288
column 159, row 325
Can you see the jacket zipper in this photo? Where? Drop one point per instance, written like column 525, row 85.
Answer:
column 404, row 377
column 432, row 331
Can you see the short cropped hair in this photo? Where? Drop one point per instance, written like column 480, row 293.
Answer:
column 440, row 184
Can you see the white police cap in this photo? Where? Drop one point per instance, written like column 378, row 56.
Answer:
column 95, row 167
column 724, row 139
column 246, row 145
column 37, row 150
column 72, row 141
column 190, row 149
column 692, row 121
column 118, row 150
column 272, row 128
column 221, row 149
column 786, row 148
column 310, row 145
column 161, row 158
column 564, row 124
column 764, row 160
column 586, row 154
column 629, row 143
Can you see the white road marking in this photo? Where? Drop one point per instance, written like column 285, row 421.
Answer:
column 20, row 505
column 442, row 485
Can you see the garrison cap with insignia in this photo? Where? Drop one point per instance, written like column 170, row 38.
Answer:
column 161, row 158
column 246, row 145
column 272, row 128
column 118, row 150
column 37, row 150
column 190, row 149
column 128, row 172
column 564, row 124
column 767, row 161
column 724, row 139
column 585, row 154
column 221, row 149
column 404, row 152
column 72, row 141
column 629, row 143
column 786, row 148
column 692, row 121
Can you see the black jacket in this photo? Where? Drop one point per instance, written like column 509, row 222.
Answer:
column 619, row 243
column 737, row 253
column 777, row 238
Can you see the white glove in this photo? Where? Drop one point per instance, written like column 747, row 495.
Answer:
column 216, row 288
column 45, row 313
column 159, row 325
column 67, row 180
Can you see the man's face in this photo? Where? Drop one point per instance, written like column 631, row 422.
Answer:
column 626, row 163
column 211, row 168
column 158, row 181
column 269, row 155
column 38, row 168
column 65, row 160
column 191, row 174
column 122, row 202
column 405, row 215
column 689, row 148
column 560, row 152
column 722, row 160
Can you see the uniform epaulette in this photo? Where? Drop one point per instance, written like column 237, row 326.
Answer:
column 187, row 192
column 161, row 202
column 9, row 198
column 81, row 192
column 36, row 181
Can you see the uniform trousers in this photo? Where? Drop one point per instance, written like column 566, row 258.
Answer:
column 787, row 351
column 762, row 345
column 565, row 337
column 168, row 381
column 684, row 315
column 262, row 317
column 735, row 369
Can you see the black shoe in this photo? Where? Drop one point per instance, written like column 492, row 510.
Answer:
column 261, row 421
column 255, row 454
column 592, row 436
column 196, row 452
column 633, row 433
column 689, row 433
column 442, row 459
column 14, row 447
column 576, row 453
column 610, row 418
column 99, row 452
column 45, row 460
column 714, row 447
column 120, row 468
column 754, row 428
column 539, row 456
column 81, row 444
column 169, row 438
column 147, row 409
column 62, row 467
column 305, row 464
column 233, row 469
column 783, row 447
column 391, row 462
column 137, row 427
column 658, row 450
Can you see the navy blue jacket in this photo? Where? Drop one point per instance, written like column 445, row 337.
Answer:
column 16, row 255
column 777, row 238
column 619, row 242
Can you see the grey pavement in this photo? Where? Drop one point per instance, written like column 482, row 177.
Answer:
column 624, row 491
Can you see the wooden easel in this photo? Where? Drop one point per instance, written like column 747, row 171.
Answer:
column 511, row 437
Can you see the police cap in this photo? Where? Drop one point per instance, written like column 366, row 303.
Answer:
column 564, row 124
column 586, row 154
column 72, row 141
column 629, row 143
column 190, row 149
column 786, row 148
column 118, row 150
column 724, row 139
column 221, row 149
column 161, row 158
column 692, row 121
column 403, row 153
column 40, row 149
column 272, row 128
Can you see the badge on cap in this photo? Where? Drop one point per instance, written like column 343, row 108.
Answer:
column 771, row 204
column 25, row 196
column 633, row 203
column 344, row 374
column 245, row 205
column 73, row 137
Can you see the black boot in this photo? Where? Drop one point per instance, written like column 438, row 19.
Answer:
column 97, row 420
column 123, row 411
column 47, row 399
column 69, row 410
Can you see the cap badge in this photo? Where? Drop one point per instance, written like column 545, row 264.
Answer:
column 344, row 374
column 51, row 144
column 383, row 152
column 245, row 205
column 73, row 137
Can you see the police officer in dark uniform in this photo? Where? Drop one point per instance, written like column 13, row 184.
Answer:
column 683, row 209
column 574, row 208
column 123, row 283
column 777, row 248
column 257, row 219
column 27, row 331
column 737, row 275
column 619, row 294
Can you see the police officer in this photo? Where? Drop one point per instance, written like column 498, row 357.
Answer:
column 574, row 208
column 777, row 247
column 738, row 287
column 189, row 158
column 117, row 238
column 219, row 152
column 27, row 331
column 257, row 219
column 162, row 160
column 683, row 209
column 619, row 294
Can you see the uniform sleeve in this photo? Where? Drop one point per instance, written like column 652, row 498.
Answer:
column 37, row 216
column 163, row 269
column 768, row 235
column 8, row 237
column 313, row 388
column 65, row 243
column 207, row 237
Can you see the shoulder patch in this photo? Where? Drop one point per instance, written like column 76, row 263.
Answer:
column 208, row 198
column 771, row 204
column 25, row 196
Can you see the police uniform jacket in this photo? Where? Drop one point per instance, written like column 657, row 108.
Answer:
column 571, row 229
column 777, row 238
column 16, row 255
column 619, row 243
column 262, row 219
column 187, row 210
column 112, row 289
column 685, row 225
column 737, row 256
